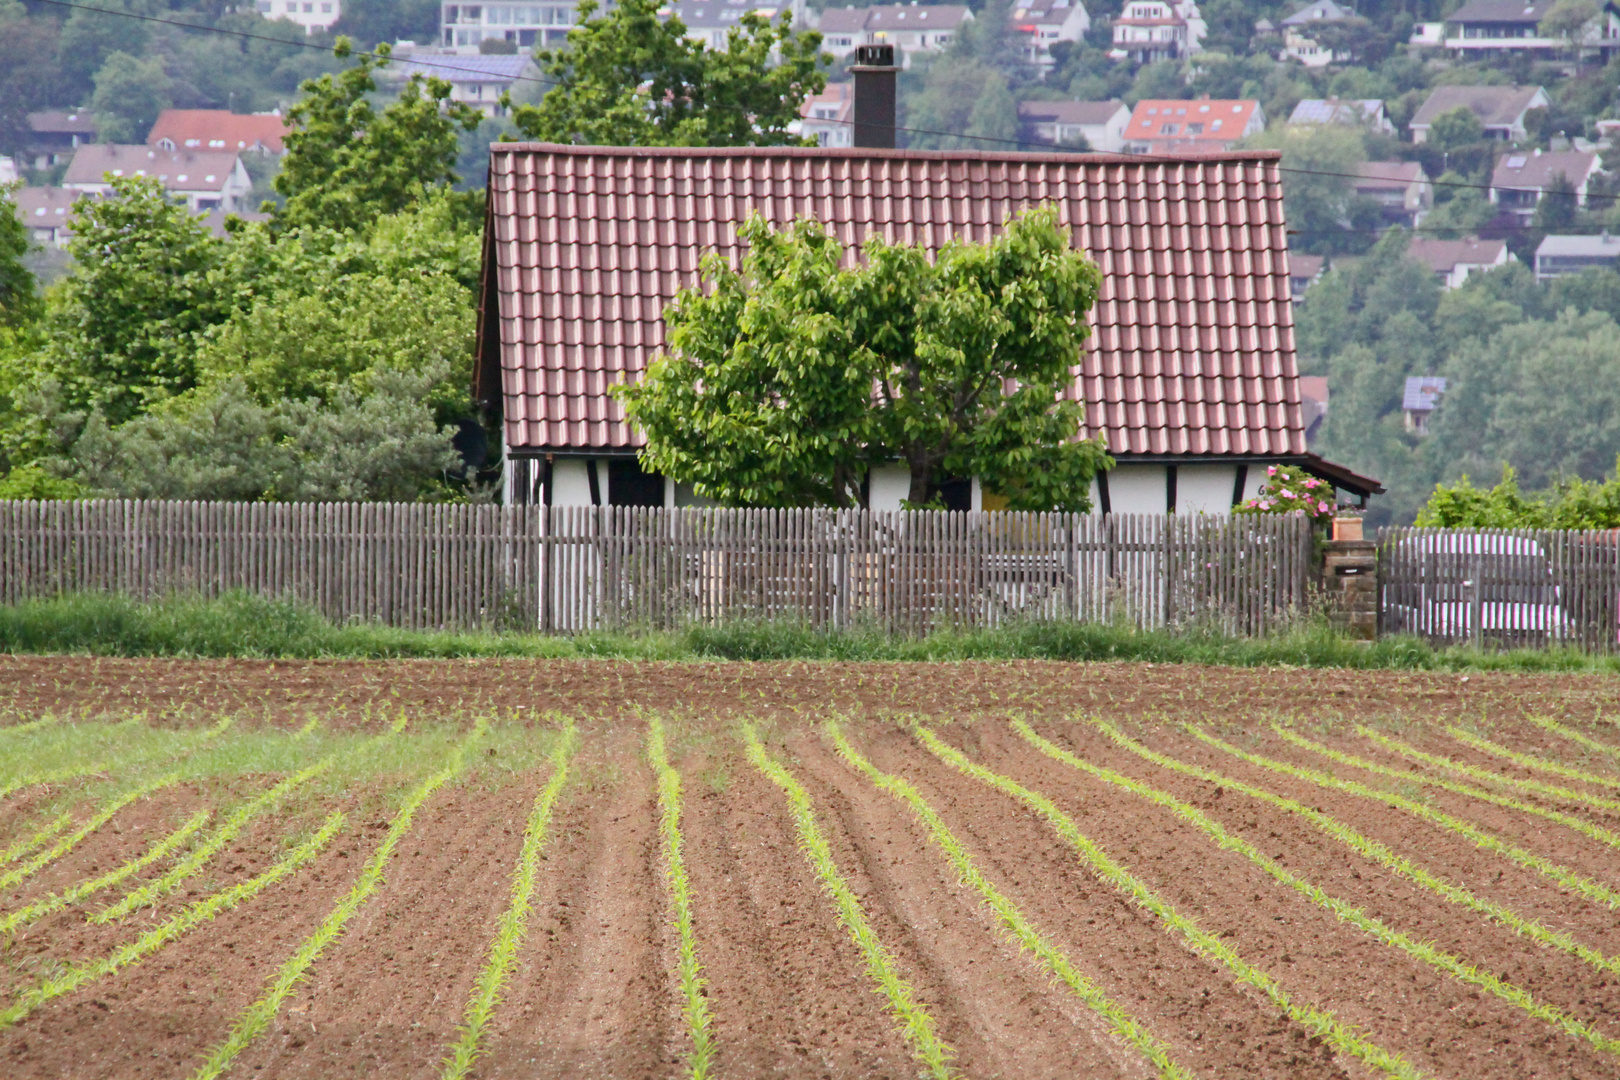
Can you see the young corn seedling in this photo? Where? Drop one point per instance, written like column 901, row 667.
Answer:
column 700, row 1060
column 1533, row 763
column 916, row 1025
column 193, row 916
column 1578, row 737
column 1566, row 877
column 257, row 1017
column 1379, row 853
column 1421, row 951
column 1013, row 921
column 69, row 842
column 1320, row 1022
column 515, row 921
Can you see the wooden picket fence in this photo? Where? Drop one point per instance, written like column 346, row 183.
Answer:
column 1516, row 588
column 570, row 569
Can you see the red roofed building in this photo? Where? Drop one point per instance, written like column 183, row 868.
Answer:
column 216, row 129
column 1189, row 374
column 1181, row 127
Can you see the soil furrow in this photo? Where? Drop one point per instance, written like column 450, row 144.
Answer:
column 590, row 995
column 1403, row 1004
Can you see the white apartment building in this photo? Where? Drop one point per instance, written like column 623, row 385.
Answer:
column 911, row 28
column 1151, row 30
column 312, row 15
column 463, row 27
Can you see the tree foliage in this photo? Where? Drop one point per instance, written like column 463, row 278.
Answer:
column 785, row 382
column 19, row 303
column 631, row 78
column 130, row 93
column 347, row 163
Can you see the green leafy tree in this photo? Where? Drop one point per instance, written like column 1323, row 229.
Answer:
column 961, row 95
column 29, row 75
column 371, row 22
column 94, row 32
column 124, row 326
column 1558, row 209
column 1456, row 128
column 348, row 164
column 19, row 303
column 130, row 93
column 631, row 78
column 1567, row 21
column 1322, row 206
column 786, row 382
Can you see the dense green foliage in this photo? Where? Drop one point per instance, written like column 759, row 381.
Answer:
column 786, row 382
column 631, row 78
column 18, row 303
column 1573, row 503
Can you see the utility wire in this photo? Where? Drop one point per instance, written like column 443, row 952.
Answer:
column 1140, row 159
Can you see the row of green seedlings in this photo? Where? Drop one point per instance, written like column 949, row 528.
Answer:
column 695, row 1006
column 1480, row 838
column 1379, row 854
column 1422, row 951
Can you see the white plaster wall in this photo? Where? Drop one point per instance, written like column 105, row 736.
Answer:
column 1252, row 482
column 889, row 485
column 571, row 486
column 1136, row 489
column 1205, row 489
column 976, row 499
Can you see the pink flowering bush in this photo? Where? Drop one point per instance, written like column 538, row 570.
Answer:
column 1290, row 490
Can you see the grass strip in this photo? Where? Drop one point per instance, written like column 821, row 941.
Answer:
column 12, row 730
column 916, row 1025
column 515, row 920
column 227, row 832
column 1320, row 1022
column 69, row 842
column 1566, row 877
column 1578, row 737
column 1378, row 853
column 700, row 1060
column 1489, row 778
column 1535, row 764
column 28, row 843
column 1422, row 951
column 257, row 1016
column 160, row 850
column 200, row 912
column 1011, row 919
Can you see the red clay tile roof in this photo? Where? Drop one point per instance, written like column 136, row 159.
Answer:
column 1193, row 345
column 217, row 129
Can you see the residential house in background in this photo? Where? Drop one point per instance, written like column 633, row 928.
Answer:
column 1500, row 108
column 217, row 129
column 1313, row 399
column 312, row 15
column 1300, row 43
column 1348, row 112
column 1453, row 260
column 711, row 21
column 478, row 81
column 54, row 134
column 1101, row 124
column 1303, row 272
column 1401, row 189
column 1420, row 399
column 1189, row 374
column 829, row 117
column 1179, row 127
column 204, row 179
column 1560, row 255
column 1521, row 180
column 1427, row 35
column 1485, row 29
column 48, row 213
column 911, row 28
column 463, row 27
column 1147, row 31
column 1044, row 23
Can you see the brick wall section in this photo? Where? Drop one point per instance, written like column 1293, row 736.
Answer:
column 1350, row 582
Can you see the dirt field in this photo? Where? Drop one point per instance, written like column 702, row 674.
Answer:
column 575, row 869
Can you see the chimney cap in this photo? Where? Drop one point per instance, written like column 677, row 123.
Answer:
column 874, row 56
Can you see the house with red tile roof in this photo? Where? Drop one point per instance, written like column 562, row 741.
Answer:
column 1189, row 374
column 1182, row 127
column 217, row 129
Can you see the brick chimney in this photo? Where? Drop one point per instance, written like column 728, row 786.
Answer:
column 875, row 96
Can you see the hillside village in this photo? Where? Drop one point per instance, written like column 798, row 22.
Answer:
column 1471, row 150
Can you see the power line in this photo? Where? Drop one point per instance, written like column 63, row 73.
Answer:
column 1149, row 159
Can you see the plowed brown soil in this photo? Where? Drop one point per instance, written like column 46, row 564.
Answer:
column 593, row 992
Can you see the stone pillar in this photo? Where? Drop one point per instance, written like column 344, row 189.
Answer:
column 1350, row 582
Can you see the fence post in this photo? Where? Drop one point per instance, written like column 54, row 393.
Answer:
column 1350, row 581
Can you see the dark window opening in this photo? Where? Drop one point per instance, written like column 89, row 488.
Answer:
column 956, row 494
column 630, row 485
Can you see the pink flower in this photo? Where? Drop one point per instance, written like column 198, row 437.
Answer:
column 1265, row 504
column 1271, row 470
column 1285, row 494
column 1322, row 506
column 1310, row 483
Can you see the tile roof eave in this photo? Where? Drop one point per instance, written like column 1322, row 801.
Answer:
column 823, row 152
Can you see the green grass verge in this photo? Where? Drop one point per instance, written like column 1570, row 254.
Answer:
column 50, row 776
column 1013, row 921
column 257, row 1017
column 1422, row 951
column 514, row 920
column 1564, row 876
column 241, row 624
column 1371, row 849
column 1320, row 1022
column 700, row 1058
column 160, row 850
column 916, row 1025
column 193, row 916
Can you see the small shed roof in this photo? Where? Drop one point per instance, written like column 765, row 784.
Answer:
column 1423, row 392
